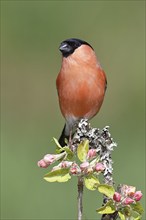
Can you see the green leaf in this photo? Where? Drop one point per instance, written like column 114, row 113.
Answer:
column 127, row 212
column 106, row 190
column 66, row 149
column 91, row 182
column 135, row 216
column 82, row 150
column 94, row 161
column 70, row 154
column 57, row 143
column 137, row 207
column 60, row 175
column 108, row 208
column 121, row 215
column 138, row 218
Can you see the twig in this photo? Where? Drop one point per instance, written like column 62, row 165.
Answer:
column 80, row 197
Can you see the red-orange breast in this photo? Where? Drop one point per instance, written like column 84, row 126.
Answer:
column 81, row 83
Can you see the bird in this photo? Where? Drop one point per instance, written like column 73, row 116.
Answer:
column 81, row 84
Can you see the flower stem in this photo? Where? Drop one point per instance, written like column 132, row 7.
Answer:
column 80, row 197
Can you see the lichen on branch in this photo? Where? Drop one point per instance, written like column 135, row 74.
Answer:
column 99, row 139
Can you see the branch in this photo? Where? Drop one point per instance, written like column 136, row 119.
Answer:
column 80, row 197
column 102, row 141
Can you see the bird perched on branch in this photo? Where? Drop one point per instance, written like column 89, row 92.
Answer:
column 81, row 84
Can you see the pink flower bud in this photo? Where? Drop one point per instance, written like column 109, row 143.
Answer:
column 137, row 196
column 128, row 201
column 42, row 164
column 65, row 164
column 99, row 167
column 84, row 165
column 75, row 169
column 91, row 154
column 117, row 197
column 49, row 158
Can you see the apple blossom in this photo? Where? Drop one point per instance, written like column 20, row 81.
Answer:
column 137, row 196
column 99, row 167
column 128, row 201
column 117, row 197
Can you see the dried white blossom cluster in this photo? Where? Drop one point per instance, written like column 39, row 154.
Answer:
column 99, row 139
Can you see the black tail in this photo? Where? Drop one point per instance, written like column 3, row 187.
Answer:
column 63, row 137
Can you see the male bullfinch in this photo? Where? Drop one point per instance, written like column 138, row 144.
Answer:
column 81, row 84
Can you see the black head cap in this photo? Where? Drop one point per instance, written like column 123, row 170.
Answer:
column 68, row 46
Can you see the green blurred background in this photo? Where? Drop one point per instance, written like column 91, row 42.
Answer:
column 31, row 32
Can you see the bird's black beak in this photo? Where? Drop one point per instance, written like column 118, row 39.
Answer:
column 64, row 47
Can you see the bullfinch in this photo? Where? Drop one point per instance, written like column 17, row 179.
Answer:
column 81, row 84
